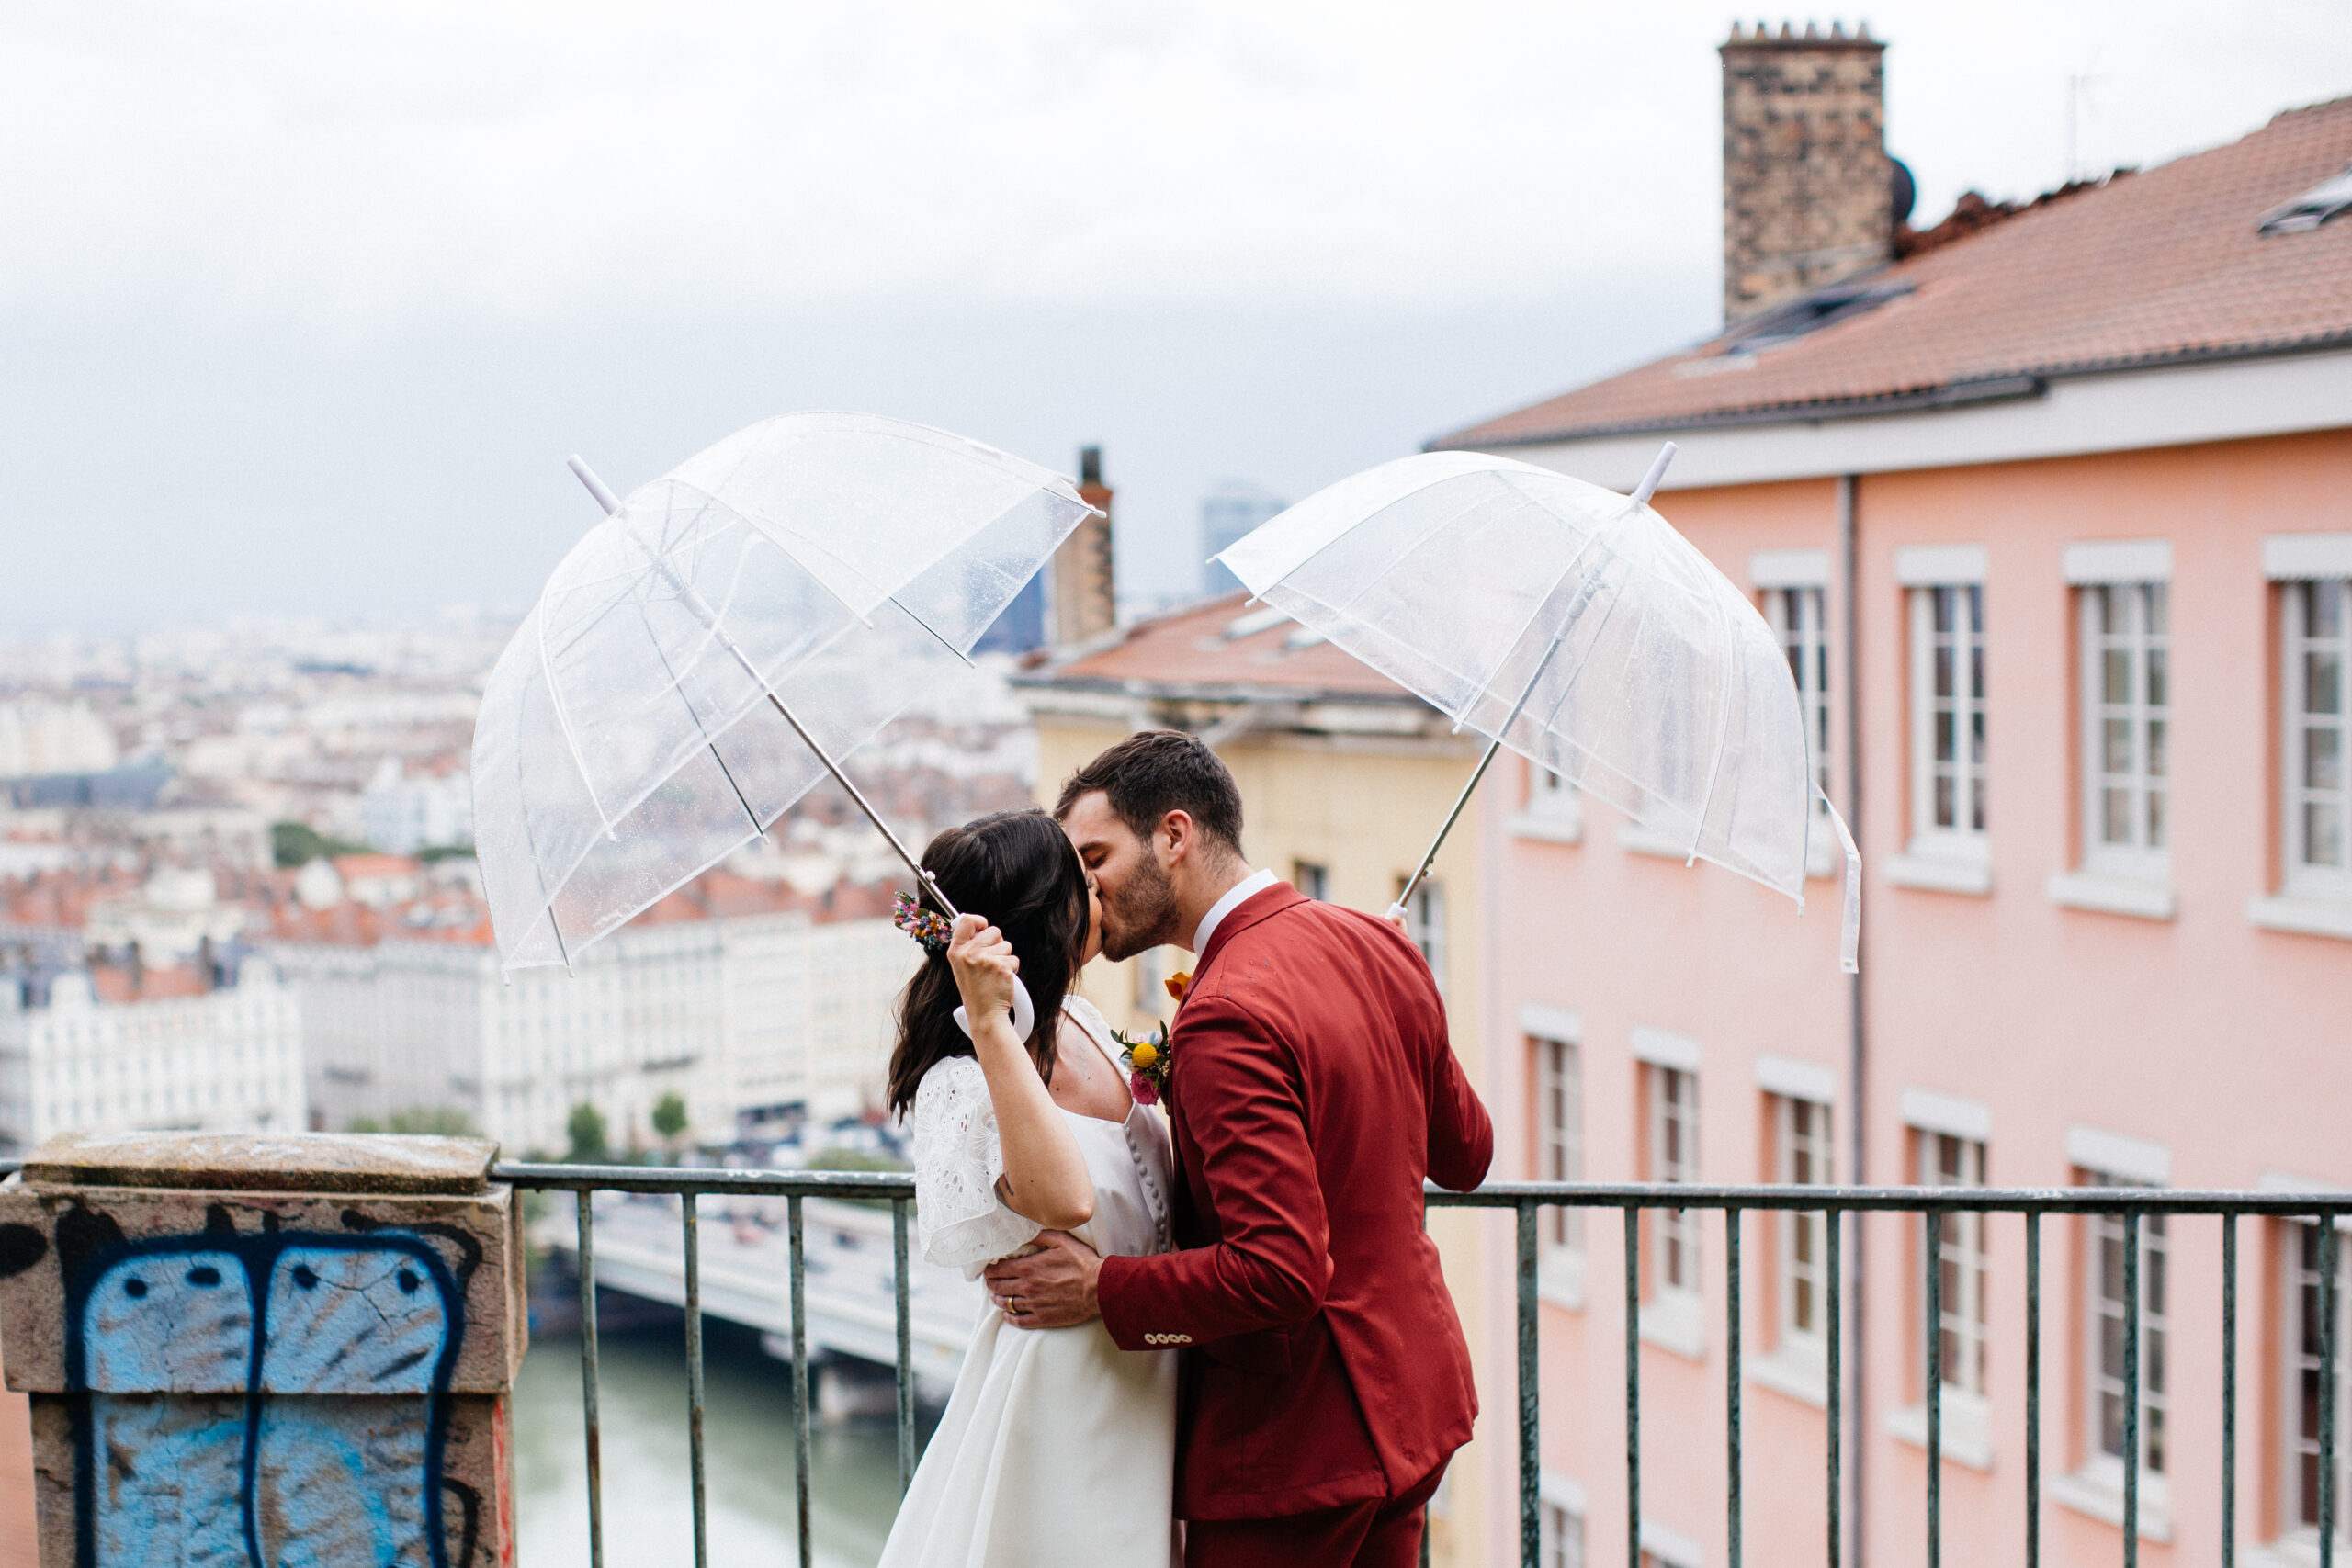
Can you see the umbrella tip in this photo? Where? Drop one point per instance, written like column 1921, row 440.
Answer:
column 1648, row 487
column 587, row 476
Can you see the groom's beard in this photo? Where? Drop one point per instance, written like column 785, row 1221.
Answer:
column 1141, row 917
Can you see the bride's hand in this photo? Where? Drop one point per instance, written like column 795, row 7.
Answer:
column 985, row 965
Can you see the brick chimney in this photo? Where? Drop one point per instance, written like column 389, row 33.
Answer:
column 1084, row 601
column 1808, row 188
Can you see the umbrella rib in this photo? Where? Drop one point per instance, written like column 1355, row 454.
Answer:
column 571, row 741
column 1723, row 736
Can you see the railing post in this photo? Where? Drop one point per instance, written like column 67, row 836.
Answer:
column 801, row 1444
column 906, row 1346
column 590, row 1416
column 1935, row 1235
column 1632, row 1386
column 2032, row 1389
column 1834, row 1228
column 1731, row 1378
column 2327, row 1312
column 691, row 1221
column 2130, row 1388
column 2229, row 1391
column 1531, row 1456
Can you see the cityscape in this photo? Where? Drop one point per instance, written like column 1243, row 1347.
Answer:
column 2041, row 491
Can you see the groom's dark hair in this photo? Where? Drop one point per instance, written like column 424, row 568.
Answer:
column 1155, row 771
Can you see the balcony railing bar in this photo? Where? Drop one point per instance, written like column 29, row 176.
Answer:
column 1530, row 1436
column 1730, row 1381
column 2229, row 1391
column 1934, row 1253
column 797, row 1226
column 689, row 1215
column 590, row 1418
column 2328, row 1310
column 1833, row 1230
column 2132, row 1331
column 2032, row 1390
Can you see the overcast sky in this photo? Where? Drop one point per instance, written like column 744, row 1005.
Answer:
column 302, row 305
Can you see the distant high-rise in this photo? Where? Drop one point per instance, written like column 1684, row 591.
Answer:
column 1228, row 513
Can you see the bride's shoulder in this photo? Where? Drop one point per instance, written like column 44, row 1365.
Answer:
column 948, row 1079
column 1085, row 1014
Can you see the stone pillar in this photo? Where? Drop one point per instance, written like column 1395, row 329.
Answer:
column 1808, row 189
column 245, row 1351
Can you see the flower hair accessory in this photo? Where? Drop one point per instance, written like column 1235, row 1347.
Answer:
column 928, row 926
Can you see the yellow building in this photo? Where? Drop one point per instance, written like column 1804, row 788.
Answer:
column 1344, row 778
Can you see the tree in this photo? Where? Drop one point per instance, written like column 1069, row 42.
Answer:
column 586, row 1128
column 295, row 844
column 670, row 1115
column 445, row 1121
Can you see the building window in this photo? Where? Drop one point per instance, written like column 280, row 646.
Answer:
column 1798, row 619
column 1674, row 1156
column 1802, row 1154
column 1563, row 1538
column 1425, row 924
column 2109, row 1334
column 1552, row 810
column 2126, row 650
column 1948, row 1161
column 2306, row 1384
column 1151, row 975
column 1947, row 765
column 2318, row 815
column 1559, row 1138
column 1311, row 879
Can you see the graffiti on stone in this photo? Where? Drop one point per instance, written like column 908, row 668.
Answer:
column 278, row 1397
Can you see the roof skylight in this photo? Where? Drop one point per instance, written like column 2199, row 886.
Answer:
column 2311, row 208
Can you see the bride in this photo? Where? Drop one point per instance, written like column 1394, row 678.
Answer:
column 1058, row 1448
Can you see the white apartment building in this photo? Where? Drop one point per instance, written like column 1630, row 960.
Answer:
column 228, row 1059
column 730, row 1014
column 400, row 815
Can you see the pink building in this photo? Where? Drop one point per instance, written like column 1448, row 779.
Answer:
column 2056, row 521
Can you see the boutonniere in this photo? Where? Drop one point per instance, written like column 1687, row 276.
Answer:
column 1178, row 983
column 1148, row 1061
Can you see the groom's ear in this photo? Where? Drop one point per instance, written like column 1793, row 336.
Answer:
column 1179, row 831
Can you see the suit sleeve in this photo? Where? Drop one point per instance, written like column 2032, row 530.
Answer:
column 1272, row 1262
column 1462, row 1137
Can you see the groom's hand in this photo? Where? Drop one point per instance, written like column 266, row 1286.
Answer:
column 1051, row 1289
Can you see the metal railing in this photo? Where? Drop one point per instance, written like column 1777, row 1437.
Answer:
column 1526, row 1201
column 2131, row 1206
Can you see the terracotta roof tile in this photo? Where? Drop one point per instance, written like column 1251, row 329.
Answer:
column 2163, row 265
column 1192, row 649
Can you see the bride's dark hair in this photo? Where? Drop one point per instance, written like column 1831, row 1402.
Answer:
column 1017, row 869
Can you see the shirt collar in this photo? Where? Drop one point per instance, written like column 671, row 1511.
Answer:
column 1250, row 886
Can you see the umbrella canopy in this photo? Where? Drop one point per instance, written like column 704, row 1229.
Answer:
column 1574, row 625
column 705, row 654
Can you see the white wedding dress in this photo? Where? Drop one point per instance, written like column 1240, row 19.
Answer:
column 1058, row 1448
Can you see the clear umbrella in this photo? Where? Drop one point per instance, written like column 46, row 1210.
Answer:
column 1575, row 626
column 714, row 647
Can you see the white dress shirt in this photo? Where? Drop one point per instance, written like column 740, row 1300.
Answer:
column 1250, row 886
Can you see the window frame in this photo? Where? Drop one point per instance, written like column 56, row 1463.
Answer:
column 1967, row 1324
column 1803, row 637
column 1796, row 1227
column 1425, row 924
column 2146, row 650
column 1558, row 1082
column 1964, row 840
column 2299, row 1453
column 2296, row 644
column 2099, row 1231
column 1679, row 1260
column 1312, row 878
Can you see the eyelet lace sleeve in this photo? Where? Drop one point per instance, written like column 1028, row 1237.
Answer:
column 960, row 1221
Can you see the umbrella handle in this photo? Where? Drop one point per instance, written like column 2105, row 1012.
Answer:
column 1024, row 1014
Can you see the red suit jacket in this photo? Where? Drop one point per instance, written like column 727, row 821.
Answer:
column 1312, row 1090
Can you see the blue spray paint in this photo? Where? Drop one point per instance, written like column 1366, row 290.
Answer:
column 335, row 1350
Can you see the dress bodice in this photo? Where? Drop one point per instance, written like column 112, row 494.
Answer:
column 959, row 1218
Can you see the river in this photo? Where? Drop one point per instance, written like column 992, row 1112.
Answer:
column 649, row 1507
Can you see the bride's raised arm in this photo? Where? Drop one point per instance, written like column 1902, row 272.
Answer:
column 1045, row 1178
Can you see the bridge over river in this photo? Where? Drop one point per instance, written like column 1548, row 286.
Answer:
column 747, row 1277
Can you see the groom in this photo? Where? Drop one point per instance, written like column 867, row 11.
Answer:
column 1312, row 1090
